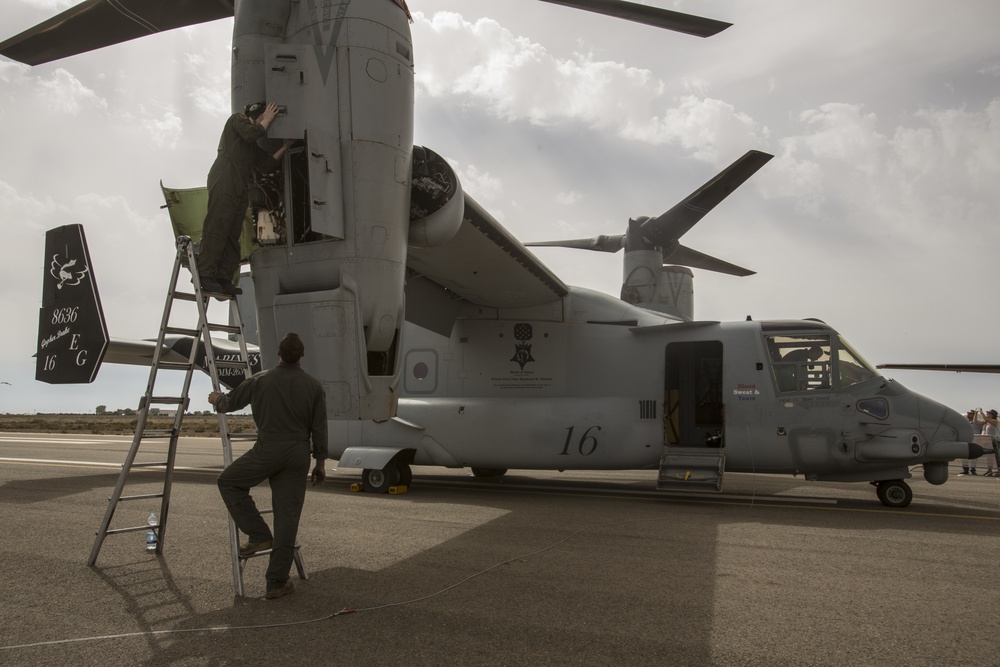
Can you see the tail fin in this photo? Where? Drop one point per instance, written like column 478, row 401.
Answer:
column 72, row 334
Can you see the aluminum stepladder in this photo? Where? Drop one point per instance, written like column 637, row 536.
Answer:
column 203, row 333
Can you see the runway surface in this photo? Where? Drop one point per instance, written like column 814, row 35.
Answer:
column 548, row 568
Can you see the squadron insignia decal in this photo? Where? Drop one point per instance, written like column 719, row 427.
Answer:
column 64, row 272
column 522, row 349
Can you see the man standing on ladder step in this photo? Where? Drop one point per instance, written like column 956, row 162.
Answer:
column 289, row 409
column 228, row 181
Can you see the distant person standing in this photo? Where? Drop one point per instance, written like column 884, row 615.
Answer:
column 969, row 465
column 289, row 408
column 991, row 428
column 228, row 182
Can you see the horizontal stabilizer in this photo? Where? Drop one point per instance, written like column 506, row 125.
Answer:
column 652, row 16
column 94, row 24
column 177, row 349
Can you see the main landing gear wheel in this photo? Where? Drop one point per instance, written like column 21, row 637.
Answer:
column 379, row 480
column 894, row 493
column 405, row 474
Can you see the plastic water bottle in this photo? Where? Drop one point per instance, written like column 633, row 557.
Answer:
column 151, row 534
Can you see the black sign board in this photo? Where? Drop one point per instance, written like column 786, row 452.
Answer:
column 72, row 335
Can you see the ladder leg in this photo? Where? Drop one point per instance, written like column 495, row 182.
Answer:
column 234, row 550
column 184, row 250
column 299, row 564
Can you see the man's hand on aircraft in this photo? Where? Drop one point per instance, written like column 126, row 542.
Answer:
column 270, row 112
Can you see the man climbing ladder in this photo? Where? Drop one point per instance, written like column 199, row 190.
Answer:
column 289, row 408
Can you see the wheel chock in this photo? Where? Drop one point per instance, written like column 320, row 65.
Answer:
column 357, row 487
column 397, row 490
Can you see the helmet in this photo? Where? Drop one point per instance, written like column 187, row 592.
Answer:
column 254, row 110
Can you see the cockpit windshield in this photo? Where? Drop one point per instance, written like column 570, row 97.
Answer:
column 815, row 362
column 801, row 362
column 852, row 367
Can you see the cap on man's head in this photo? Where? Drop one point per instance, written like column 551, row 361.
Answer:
column 992, row 413
column 291, row 349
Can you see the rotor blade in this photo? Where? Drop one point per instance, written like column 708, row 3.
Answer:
column 94, row 24
column 600, row 243
column 956, row 368
column 654, row 16
column 696, row 260
column 682, row 217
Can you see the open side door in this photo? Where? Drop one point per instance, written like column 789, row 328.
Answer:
column 693, row 417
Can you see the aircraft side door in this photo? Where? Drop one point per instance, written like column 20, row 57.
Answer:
column 694, row 414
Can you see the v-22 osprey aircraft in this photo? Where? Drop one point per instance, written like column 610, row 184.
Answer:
column 442, row 340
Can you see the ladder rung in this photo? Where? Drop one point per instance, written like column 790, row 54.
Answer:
column 250, row 437
column 151, row 464
column 144, row 496
column 113, row 531
column 158, row 433
column 264, row 552
column 184, row 296
column 175, row 365
column 180, row 330
column 166, row 400
column 228, row 328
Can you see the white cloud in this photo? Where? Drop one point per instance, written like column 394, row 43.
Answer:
column 485, row 186
column 711, row 130
column 65, row 94
column 568, row 198
column 209, row 81
column 844, row 133
column 520, row 80
column 165, row 131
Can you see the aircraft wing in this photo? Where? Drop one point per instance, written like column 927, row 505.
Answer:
column 94, row 24
column 955, row 368
column 486, row 265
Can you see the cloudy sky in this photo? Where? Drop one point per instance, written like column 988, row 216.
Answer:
column 878, row 213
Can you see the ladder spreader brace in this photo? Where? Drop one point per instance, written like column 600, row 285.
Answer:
column 164, row 358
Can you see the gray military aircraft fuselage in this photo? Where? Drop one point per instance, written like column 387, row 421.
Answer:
column 599, row 384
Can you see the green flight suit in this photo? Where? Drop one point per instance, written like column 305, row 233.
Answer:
column 228, row 181
column 289, row 408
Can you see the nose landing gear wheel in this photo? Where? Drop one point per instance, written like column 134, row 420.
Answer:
column 894, row 493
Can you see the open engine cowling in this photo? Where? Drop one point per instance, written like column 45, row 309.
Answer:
column 436, row 202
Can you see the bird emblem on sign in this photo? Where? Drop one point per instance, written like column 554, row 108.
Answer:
column 64, row 272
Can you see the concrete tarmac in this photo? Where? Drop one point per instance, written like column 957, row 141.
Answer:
column 575, row 568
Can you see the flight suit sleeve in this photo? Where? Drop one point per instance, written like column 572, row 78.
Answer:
column 248, row 130
column 265, row 161
column 319, row 426
column 236, row 399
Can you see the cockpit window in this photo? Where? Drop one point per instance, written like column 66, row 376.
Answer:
column 851, row 366
column 801, row 363
column 876, row 407
column 814, row 362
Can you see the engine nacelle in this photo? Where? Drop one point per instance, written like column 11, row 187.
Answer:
column 436, row 202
